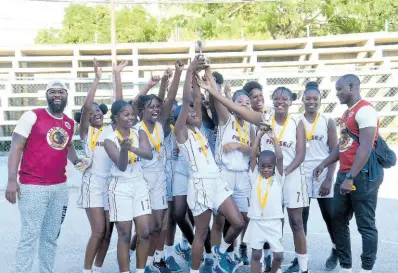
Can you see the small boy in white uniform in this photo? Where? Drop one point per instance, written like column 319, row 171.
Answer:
column 265, row 211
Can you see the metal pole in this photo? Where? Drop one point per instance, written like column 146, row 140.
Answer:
column 113, row 41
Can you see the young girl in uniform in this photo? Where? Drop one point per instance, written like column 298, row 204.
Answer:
column 128, row 193
column 94, row 189
column 234, row 140
column 291, row 138
column 207, row 192
column 265, row 211
column 154, row 113
column 321, row 136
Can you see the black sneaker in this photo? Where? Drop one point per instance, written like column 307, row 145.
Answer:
column 294, row 267
column 243, row 255
column 331, row 262
column 162, row 266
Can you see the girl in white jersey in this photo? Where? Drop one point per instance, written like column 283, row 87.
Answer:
column 94, row 189
column 291, row 136
column 207, row 192
column 321, row 136
column 128, row 192
column 233, row 148
column 154, row 114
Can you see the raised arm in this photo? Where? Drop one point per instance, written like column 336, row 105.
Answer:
column 222, row 111
column 253, row 154
column 248, row 115
column 152, row 82
column 164, row 82
column 278, row 152
column 88, row 103
column 180, row 126
column 171, row 95
column 197, row 101
column 300, row 149
column 117, row 69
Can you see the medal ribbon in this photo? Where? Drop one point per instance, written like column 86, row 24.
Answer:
column 202, row 143
column 283, row 128
column 155, row 144
column 94, row 138
column 131, row 155
column 242, row 140
column 310, row 134
column 263, row 201
column 175, row 142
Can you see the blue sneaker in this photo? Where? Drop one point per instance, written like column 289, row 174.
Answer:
column 184, row 254
column 207, row 266
column 222, row 260
column 150, row 269
column 234, row 265
column 173, row 265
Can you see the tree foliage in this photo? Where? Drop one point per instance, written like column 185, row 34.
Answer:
column 266, row 20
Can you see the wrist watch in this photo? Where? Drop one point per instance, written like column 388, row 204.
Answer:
column 349, row 176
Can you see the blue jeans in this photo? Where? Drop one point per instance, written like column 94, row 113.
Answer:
column 362, row 202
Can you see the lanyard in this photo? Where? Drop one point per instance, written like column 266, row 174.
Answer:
column 198, row 136
column 263, row 201
column 155, row 144
column 283, row 128
column 94, row 138
column 242, row 140
column 131, row 155
column 310, row 134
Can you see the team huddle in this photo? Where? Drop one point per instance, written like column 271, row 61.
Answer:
column 216, row 155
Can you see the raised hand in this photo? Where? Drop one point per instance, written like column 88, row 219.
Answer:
column 179, row 66
column 117, row 68
column 97, row 69
column 198, row 63
column 227, row 90
column 167, row 74
column 206, row 83
column 154, row 80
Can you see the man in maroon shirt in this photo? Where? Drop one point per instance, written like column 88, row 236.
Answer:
column 43, row 137
column 354, row 192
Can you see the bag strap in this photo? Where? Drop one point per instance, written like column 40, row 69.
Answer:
column 354, row 137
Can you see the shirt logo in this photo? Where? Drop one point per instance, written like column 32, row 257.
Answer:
column 67, row 124
column 345, row 142
column 351, row 114
column 57, row 138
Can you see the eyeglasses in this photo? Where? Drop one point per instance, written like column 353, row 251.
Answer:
column 53, row 92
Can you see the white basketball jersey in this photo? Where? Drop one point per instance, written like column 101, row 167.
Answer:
column 133, row 170
column 287, row 142
column 101, row 161
column 201, row 165
column 158, row 161
column 318, row 148
column 273, row 206
column 228, row 133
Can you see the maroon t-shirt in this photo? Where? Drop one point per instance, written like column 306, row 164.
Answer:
column 44, row 157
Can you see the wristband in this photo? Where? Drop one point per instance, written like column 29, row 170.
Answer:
column 76, row 161
column 349, row 176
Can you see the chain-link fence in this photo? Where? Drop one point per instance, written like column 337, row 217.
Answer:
column 379, row 86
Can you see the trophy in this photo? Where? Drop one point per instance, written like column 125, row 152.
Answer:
column 199, row 46
column 266, row 119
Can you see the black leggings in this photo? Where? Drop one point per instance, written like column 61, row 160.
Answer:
column 326, row 206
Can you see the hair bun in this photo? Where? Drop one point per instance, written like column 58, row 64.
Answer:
column 294, row 96
column 103, row 108
column 77, row 116
column 311, row 85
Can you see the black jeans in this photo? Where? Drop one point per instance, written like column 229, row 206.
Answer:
column 363, row 203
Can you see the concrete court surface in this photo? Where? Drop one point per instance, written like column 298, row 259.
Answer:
column 75, row 233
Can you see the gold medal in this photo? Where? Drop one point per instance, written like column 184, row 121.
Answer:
column 198, row 136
